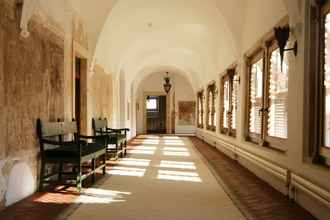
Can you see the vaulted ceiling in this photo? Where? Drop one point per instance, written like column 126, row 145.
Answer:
column 197, row 37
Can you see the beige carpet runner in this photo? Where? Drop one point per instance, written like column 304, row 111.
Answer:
column 161, row 178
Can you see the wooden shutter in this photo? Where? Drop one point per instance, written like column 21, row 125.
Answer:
column 277, row 96
column 234, row 102
column 256, row 97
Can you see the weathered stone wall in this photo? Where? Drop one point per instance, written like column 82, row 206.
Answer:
column 101, row 93
column 31, row 87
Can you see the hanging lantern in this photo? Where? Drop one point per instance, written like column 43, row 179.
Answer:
column 167, row 84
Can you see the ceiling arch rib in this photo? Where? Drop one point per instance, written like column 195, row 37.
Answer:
column 150, row 70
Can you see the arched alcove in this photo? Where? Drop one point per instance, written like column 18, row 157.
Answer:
column 20, row 184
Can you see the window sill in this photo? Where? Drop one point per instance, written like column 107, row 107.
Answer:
column 265, row 145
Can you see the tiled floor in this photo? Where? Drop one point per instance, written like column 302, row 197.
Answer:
column 256, row 197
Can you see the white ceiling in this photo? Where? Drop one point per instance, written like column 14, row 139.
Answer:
column 197, row 37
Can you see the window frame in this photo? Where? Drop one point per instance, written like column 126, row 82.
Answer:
column 249, row 62
column 200, row 105
column 211, row 88
column 157, row 104
column 319, row 153
column 228, row 76
column 262, row 52
column 275, row 142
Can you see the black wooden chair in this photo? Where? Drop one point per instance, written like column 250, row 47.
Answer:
column 61, row 143
column 117, row 138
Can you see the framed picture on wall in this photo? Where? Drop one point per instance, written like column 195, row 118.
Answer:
column 186, row 113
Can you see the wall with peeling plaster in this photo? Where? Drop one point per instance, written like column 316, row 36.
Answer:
column 31, row 87
column 101, row 91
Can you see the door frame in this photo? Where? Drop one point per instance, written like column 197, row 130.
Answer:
column 168, row 113
column 82, row 54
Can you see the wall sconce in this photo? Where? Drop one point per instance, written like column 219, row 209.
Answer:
column 282, row 35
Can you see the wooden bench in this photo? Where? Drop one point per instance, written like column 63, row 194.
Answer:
column 61, row 144
column 117, row 138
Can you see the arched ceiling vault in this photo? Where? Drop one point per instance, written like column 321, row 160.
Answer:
column 202, row 36
column 194, row 34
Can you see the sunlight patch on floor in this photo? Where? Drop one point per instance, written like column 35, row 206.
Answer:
column 174, row 143
column 147, row 152
column 178, row 176
column 182, row 149
column 126, row 171
column 177, row 165
column 141, row 147
column 171, row 138
column 101, row 196
column 176, row 153
column 132, row 162
column 147, row 141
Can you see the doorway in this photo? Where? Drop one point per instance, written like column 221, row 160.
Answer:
column 156, row 114
column 77, row 90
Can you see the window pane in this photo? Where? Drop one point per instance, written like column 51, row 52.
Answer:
column 234, row 102
column 327, row 83
column 152, row 104
column 256, row 87
column 278, row 96
column 210, row 105
column 200, row 111
column 225, row 103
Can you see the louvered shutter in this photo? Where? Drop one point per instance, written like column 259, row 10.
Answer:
column 255, row 96
column 234, row 100
column 278, row 96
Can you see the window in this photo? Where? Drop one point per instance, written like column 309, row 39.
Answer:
column 319, row 98
column 200, row 109
column 152, row 104
column 211, row 114
column 267, row 97
column 229, row 98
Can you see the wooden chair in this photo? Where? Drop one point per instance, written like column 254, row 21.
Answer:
column 117, row 138
column 75, row 150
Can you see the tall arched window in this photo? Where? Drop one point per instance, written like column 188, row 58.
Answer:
column 200, row 109
column 267, row 100
column 229, row 97
column 319, row 84
column 211, row 113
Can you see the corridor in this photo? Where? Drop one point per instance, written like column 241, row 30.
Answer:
column 162, row 178
column 239, row 90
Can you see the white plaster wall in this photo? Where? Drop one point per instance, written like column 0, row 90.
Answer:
column 259, row 17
